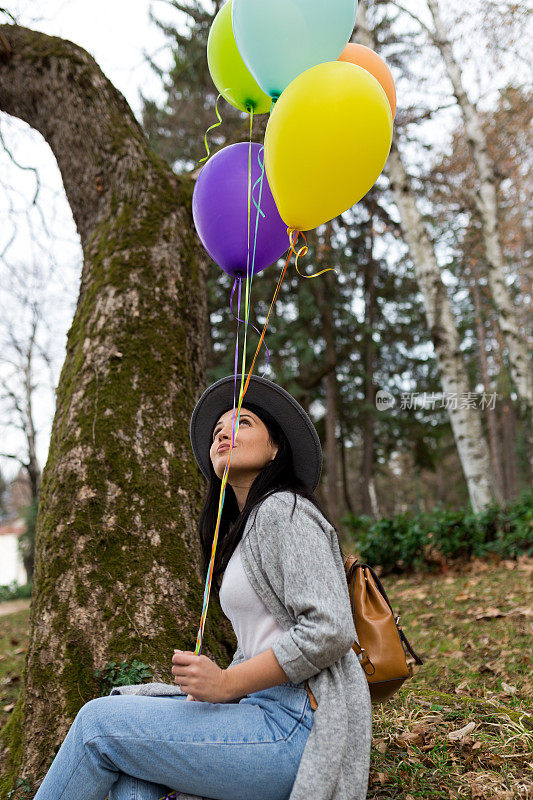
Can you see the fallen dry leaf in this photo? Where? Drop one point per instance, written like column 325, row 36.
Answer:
column 490, row 613
column 455, row 736
column 507, row 689
column 422, row 735
column 520, row 611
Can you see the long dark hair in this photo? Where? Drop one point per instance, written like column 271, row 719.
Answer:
column 277, row 475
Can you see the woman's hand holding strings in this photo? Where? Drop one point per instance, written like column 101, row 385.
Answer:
column 200, row 677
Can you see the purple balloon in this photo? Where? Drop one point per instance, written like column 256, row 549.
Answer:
column 220, row 212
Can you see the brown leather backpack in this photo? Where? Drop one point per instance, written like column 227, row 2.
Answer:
column 381, row 639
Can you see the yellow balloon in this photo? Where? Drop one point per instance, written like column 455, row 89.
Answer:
column 326, row 142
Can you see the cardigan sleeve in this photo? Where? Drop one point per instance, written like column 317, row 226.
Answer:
column 299, row 561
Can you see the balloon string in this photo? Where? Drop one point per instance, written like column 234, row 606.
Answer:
column 216, row 124
column 207, row 590
column 294, row 232
column 262, row 165
column 241, row 320
column 268, row 317
column 248, row 282
column 259, row 180
column 242, row 392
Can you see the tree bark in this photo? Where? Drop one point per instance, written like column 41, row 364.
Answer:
column 468, row 433
column 374, row 505
column 487, row 204
column 508, row 420
column 368, row 495
column 507, row 414
column 117, row 568
column 492, row 422
column 33, row 468
column 344, row 474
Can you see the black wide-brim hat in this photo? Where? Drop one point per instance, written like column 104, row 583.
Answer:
column 289, row 414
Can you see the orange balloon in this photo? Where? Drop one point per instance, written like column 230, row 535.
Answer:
column 369, row 60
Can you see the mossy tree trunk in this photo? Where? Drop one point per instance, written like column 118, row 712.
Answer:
column 117, row 567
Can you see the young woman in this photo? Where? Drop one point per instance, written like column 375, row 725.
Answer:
column 290, row 718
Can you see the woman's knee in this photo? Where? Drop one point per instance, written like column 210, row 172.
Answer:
column 92, row 714
column 97, row 705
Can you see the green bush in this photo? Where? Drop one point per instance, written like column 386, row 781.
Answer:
column 15, row 591
column 411, row 540
column 509, row 530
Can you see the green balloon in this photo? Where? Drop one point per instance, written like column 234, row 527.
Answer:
column 230, row 74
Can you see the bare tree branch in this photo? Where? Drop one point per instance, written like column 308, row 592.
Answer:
column 21, row 166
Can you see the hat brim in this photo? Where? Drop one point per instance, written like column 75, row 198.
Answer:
column 291, row 417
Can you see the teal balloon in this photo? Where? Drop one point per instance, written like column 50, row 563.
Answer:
column 279, row 39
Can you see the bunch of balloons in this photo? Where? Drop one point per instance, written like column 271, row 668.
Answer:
column 331, row 104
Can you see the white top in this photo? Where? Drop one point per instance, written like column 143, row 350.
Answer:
column 255, row 627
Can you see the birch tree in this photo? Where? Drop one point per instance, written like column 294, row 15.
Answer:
column 466, row 425
column 487, row 205
column 117, row 566
column 454, row 215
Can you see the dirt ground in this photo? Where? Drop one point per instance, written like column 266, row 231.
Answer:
column 11, row 606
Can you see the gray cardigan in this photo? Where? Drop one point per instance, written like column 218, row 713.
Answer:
column 296, row 568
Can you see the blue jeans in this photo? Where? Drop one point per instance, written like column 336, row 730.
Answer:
column 135, row 747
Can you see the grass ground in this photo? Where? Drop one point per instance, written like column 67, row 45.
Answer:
column 462, row 726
